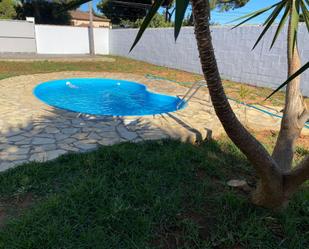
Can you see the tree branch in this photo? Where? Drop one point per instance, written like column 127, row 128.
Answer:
column 297, row 176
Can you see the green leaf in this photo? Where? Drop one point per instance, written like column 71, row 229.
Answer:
column 153, row 10
column 181, row 7
column 253, row 15
column 292, row 77
column 294, row 26
column 281, row 24
column 270, row 16
column 305, row 14
column 271, row 20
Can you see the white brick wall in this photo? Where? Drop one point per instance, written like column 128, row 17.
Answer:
column 260, row 67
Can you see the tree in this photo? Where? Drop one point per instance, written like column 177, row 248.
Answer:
column 225, row 5
column 277, row 180
column 296, row 112
column 221, row 5
column 130, row 10
column 158, row 21
column 7, row 9
column 169, row 6
column 44, row 11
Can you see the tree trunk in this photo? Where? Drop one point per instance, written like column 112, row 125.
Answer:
column 273, row 189
column 171, row 15
column 255, row 152
column 166, row 14
column 295, row 112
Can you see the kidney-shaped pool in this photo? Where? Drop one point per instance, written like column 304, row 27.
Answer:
column 101, row 96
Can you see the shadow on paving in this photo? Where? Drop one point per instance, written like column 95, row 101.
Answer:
column 58, row 132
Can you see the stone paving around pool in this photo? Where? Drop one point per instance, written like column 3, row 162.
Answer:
column 34, row 131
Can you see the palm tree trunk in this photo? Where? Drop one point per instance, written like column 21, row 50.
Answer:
column 276, row 185
column 295, row 113
column 269, row 192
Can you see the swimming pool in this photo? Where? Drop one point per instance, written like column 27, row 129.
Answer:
column 102, row 96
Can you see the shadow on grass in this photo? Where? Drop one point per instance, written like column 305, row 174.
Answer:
column 145, row 195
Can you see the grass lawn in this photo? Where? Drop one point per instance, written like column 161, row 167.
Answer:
column 242, row 92
column 162, row 194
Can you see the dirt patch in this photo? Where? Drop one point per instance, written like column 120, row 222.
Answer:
column 2, row 216
column 179, row 234
column 176, row 236
column 303, row 141
column 13, row 207
column 25, row 201
column 269, row 137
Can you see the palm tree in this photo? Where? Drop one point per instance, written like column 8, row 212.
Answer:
column 277, row 180
column 295, row 112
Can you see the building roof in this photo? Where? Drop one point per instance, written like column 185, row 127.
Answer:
column 81, row 15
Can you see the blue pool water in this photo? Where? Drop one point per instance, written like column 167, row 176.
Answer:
column 104, row 97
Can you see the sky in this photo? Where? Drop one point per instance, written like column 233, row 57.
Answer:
column 227, row 17
column 251, row 6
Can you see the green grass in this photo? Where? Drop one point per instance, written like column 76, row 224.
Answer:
column 120, row 64
column 243, row 92
column 162, row 194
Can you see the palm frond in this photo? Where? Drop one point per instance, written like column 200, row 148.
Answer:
column 153, row 10
column 181, row 7
column 294, row 26
column 280, row 25
column 292, row 77
column 252, row 15
column 270, row 21
column 305, row 13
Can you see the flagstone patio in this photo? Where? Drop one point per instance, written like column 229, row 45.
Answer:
column 34, row 131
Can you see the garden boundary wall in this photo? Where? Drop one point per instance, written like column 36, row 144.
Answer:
column 233, row 48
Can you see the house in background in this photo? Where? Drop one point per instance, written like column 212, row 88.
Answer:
column 81, row 19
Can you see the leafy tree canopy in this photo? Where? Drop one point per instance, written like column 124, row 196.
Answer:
column 158, row 21
column 7, row 9
column 225, row 5
column 44, row 11
column 130, row 10
column 221, row 5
